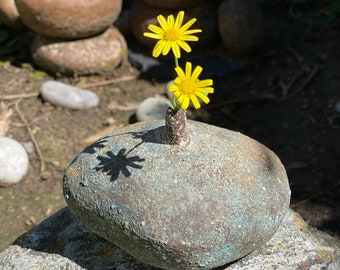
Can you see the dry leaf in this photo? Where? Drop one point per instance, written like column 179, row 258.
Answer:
column 5, row 114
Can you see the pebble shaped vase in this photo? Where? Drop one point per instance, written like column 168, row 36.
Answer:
column 180, row 194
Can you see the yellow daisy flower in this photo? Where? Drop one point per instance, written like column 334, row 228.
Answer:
column 172, row 35
column 188, row 88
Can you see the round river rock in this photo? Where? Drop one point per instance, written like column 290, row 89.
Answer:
column 194, row 206
column 240, row 25
column 14, row 161
column 98, row 54
column 68, row 19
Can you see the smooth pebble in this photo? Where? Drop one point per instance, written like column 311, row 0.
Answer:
column 13, row 161
column 68, row 96
column 153, row 108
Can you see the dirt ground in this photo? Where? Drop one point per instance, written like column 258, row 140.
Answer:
column 284, row 97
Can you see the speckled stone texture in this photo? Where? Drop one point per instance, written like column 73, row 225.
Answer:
column 98, row 54
column 68, row 19
column 61, row 242
column 195, row 206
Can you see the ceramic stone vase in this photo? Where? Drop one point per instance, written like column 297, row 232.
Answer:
column 180, row 194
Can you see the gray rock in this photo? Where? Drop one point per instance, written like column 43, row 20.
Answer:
column 61, row 242
column 61, row 94
column 196, row 206
column 13, row 161
column 97, row 54
column 153, row 108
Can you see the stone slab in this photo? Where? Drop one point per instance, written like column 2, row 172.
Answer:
column 61, row 242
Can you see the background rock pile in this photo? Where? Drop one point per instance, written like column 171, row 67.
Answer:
column 237, row 22
column 74, row 36
column 80, row 37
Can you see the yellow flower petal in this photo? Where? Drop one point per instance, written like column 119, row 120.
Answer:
column 158, row 48
column 188, row 67
column 152, row 35
column 166, row 48
column 176, row 50
column 203, row 97
column 179, row 20
column 184, row 46
column 163, row 22
column 204, row 83
column 187, row 25
column 188, row 38
column 173, row 88
column 187, row 87
column 180, row 73
column 208, row 90
column 171, row 21
column 197, row 72
column 195, row 101
column 177, row 94
column 177, row 81
column 185, row 102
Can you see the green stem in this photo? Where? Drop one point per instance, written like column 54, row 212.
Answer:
column 176, row 62
column 175, row 105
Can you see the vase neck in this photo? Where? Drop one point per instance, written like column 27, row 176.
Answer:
column 175, row 132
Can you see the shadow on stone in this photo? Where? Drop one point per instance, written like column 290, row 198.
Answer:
column 61, row 242
column 98, row 144
column 113, row 164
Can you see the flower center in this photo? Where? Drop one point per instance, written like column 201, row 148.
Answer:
column 188, row 87
column 171, row 35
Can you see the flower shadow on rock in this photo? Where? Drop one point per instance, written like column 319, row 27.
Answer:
column 112, row 164
column 98, row 144
column 115, row 163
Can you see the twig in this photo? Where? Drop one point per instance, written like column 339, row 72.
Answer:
column 35, row 143
column 112, row 81
column 8, row 97
column 286, row 88
column 304, row 83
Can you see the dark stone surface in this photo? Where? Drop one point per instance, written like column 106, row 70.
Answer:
column 196, row 206
column 240, row 25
